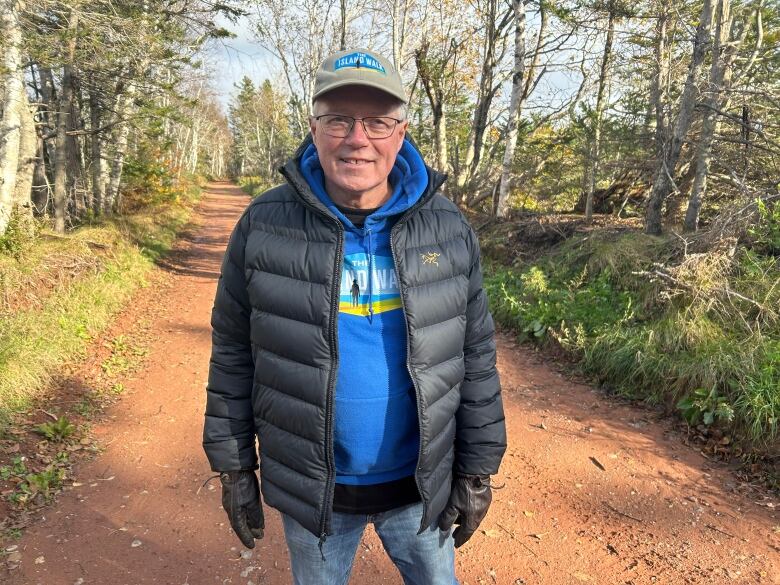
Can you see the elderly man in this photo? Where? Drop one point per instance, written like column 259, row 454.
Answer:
column 352, row 337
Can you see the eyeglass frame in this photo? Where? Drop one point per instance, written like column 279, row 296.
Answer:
column 354, row 119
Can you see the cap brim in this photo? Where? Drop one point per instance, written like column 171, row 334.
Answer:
column 365, row 83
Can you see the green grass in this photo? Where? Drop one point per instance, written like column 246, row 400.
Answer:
column 255, row 185
column 694, row 346
column 58, row 327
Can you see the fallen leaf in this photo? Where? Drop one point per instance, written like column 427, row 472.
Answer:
column 528, row 513
column 582, row 577
column 492, row 533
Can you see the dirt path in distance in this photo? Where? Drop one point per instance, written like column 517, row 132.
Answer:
column 595, row 491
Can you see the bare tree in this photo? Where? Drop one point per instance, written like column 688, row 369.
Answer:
column 663, row 183
column 495, row 29
column 717, row 98
column 594, row 146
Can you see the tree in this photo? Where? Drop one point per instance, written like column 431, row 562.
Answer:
column 13, row 105
column 718, row 97
column 594, row 150
column 664, row 183
column 518, row 95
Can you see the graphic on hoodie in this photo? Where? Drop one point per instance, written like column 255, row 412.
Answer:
column 355, row 289
column 355, row 293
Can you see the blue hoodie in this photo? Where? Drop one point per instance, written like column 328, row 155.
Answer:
column 376, row 433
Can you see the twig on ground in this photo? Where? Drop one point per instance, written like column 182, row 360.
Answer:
column 47, row 413
column 716, row 529
column 616, row 511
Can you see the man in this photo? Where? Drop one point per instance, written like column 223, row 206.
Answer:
column 384, row 410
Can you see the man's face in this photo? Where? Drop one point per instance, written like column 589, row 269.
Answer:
column 356, row 167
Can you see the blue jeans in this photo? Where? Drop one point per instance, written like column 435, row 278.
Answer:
column 427, row 559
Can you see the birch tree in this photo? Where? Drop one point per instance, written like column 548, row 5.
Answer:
column 515, row 105
column 12, row 106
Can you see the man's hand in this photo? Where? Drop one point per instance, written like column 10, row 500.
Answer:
column 241, row 501
column 469, row 502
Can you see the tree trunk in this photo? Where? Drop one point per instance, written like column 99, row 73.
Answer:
column 440, row 134
column 515, row 103
column 96, row 156
column 400, row 18
column 658, row 94
column 485, row 94
column 663, row 183
column 75, row 173
column 28, row 147
column 718, row 99
column 64, row 112
column 343, row 31
column 11, row 124
column 49, row 116
column 432, row 84
column 195, row 148
column 595, row 146
column 122, row 132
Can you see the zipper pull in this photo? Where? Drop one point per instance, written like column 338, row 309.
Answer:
column 323, row 538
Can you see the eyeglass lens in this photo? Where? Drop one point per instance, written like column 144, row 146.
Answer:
column 341, row 126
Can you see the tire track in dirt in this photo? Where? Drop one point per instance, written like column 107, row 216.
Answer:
column 595, row 491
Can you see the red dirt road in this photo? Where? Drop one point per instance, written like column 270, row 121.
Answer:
column 595, row 491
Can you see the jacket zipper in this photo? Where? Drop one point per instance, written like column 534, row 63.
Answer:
column 402, row 294
column 327, row 502
column 329, row 398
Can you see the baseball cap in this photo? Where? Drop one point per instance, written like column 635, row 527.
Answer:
column 358, row 67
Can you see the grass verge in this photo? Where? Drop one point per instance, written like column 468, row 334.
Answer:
column 698, row 333
column 255, row 185
column 80, row 281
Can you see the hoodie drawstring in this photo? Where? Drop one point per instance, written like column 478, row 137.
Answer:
column 370, row 277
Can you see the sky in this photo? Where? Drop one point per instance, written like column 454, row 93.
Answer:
column 234, row 58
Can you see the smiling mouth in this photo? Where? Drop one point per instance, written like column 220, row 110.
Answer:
column 355, row 161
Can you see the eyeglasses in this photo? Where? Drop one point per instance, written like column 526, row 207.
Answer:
column 340, row 126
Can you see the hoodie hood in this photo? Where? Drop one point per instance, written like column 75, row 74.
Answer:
column 409, row 180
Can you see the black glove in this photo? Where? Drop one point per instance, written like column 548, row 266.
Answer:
column 469, row 502
column 241, row 501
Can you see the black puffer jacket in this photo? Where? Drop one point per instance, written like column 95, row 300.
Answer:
column 275, row 352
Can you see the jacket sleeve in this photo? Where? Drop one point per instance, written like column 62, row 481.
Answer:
column 228, row 431
column 480, row 439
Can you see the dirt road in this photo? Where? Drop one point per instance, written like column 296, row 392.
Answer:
column 595, row 491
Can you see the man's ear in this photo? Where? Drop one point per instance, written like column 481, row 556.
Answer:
column 403, row 126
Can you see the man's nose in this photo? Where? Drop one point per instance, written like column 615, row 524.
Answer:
column 358, row 134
